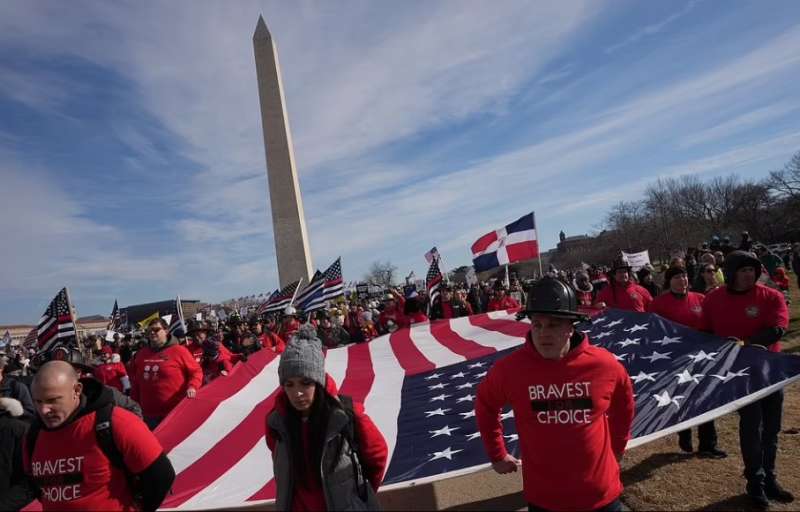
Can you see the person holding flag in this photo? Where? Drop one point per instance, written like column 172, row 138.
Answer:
column 573, row 408
column 622, row 292
column 164, row 372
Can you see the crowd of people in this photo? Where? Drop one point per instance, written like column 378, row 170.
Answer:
column 51, row 419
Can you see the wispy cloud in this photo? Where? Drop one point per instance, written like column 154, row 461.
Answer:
column 652, row 29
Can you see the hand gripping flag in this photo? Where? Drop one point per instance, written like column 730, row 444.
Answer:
column 418, row 386
column 515, row 242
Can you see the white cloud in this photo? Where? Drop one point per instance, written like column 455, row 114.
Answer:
column 652, row 29
column 738, row 124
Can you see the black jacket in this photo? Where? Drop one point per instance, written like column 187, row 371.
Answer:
column 15, row 489
column 459, row 309
column 11, row 387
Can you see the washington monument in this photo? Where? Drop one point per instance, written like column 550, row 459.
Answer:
column 288, row 219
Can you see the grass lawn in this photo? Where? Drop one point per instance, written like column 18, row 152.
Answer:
column 658, row 476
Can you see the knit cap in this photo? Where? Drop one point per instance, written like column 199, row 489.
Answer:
column 303, row 357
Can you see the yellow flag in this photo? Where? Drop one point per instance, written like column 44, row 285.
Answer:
column 147, row 320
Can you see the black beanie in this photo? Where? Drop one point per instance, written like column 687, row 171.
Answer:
column 672, row 272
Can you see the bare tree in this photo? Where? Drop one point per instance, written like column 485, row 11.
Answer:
column 381, row 273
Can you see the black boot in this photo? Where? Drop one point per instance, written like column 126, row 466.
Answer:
column 685, row 441
column 755, row 491
column 774, row 491
column 711, row 453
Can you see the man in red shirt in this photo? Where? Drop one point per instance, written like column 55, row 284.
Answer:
column 621, row 292
column 392, row 317
column 198, row 332
column 67, row 463
column 684, row 307
column 163, row 374
column 501, row 300
column 573, row 407
column 756, row 316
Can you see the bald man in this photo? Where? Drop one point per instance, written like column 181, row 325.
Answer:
column 82, row 450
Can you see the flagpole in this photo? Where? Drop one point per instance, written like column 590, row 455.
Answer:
column 72, row 313
column 297, row 288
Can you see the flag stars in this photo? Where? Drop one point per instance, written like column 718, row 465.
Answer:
column 620, row 357
column 436, row 412
column 433, row 376
column 664, row 399
column 685, row 377
column 627, row 341
column 441, row 385
column 465, row 385
column 466, row 398
column 637, row 327
column 666, row 340
column 480, row 375
column 644, row 376
column 506, row 415
column 702, row 356
column 474, row 435
column 732, row 375
column 446, row 454
column 655, row 356
column 477, row 365
column 614, row 323
column 439, row 398
column 512, row 437
column 464, row 415
column 603, row 335
column 444, row 431
column 459, row 375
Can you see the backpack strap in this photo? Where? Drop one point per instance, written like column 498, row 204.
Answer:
column 355, row 453
column 104, row 433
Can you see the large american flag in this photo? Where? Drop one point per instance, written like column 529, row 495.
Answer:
column 418, row 386
column 57, row 324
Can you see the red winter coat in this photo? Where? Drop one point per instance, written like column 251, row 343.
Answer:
column 631, row 297
column 686, row 310
column 506, row 302
column 214, row 369
column 373, row 452
column 288, row 328
column 573, row 417
column 395, row 316
column 111, row 374
column 162, row 377
column 196, row 349
column 742, row 315
column 272, row 341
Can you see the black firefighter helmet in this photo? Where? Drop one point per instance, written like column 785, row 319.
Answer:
column 551, row 296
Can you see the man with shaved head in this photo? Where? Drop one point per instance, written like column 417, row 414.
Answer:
column 83, row 452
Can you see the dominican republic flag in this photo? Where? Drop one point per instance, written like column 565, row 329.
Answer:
column 510, row 244
column 418, row 385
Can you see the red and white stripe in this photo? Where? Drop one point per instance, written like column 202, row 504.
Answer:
column 216, row 441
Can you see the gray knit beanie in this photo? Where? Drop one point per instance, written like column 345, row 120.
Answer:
column 303, row 357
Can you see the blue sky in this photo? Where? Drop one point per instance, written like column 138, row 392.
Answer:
column 132, row 162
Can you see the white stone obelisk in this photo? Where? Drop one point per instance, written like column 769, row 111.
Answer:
column 288, row 219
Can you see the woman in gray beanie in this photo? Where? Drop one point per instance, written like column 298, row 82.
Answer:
column 327, row 454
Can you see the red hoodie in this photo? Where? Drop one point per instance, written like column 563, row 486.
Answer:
column 73, row 472
column 742, row 315
column 630, row 297
column 162, row 377
column 686, row 310
column 373, row 452
column 573, row 417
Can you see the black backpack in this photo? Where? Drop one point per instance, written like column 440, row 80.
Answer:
column 104, row 432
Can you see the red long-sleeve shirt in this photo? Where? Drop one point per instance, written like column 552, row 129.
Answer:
column 630, row 297
column 686, row 310
column 506, row 302
column 742, row 315
column 162, row 378
column 573, row 417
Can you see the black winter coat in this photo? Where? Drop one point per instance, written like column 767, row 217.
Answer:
column 15, row 489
